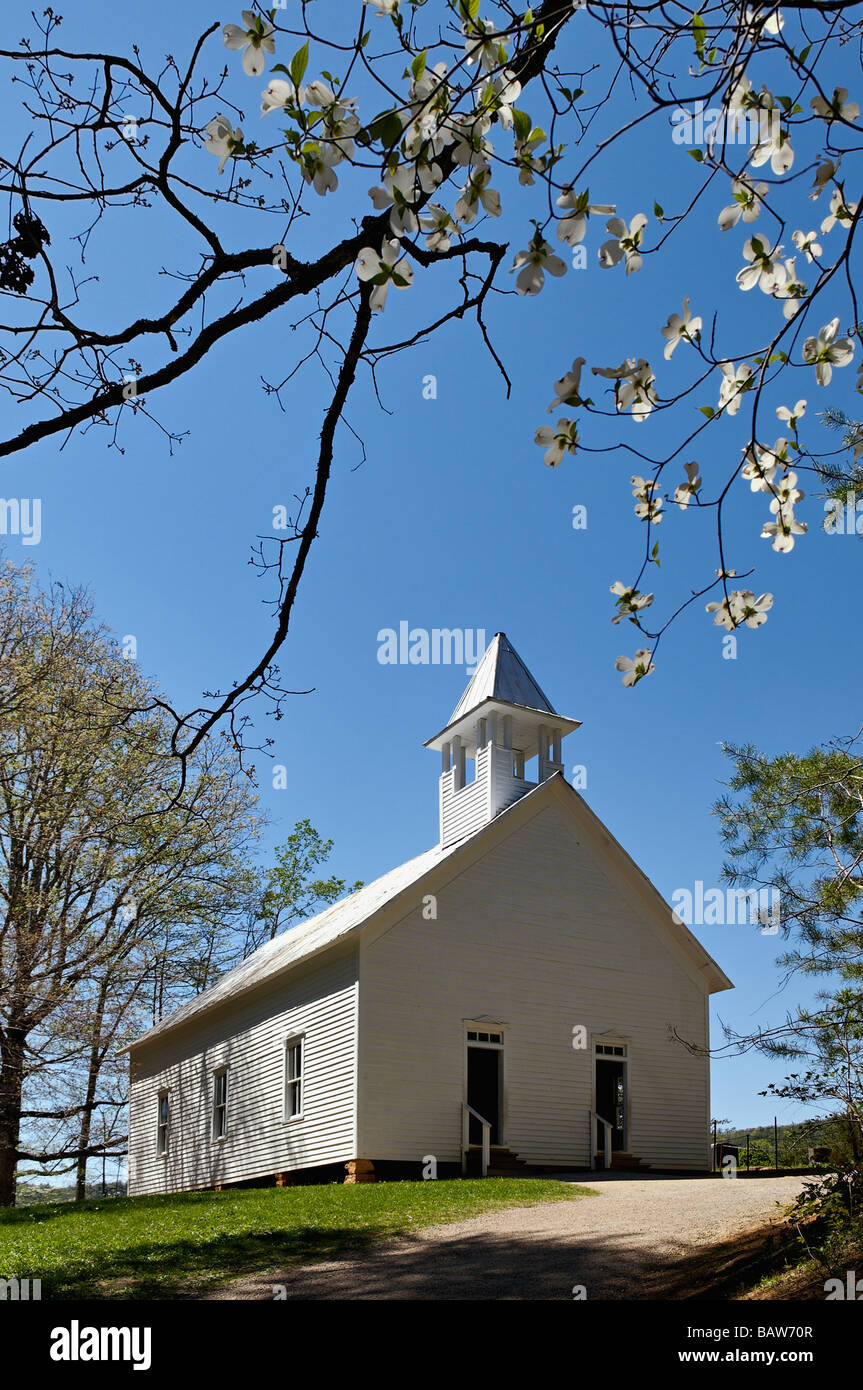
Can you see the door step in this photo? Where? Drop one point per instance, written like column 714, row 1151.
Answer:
column 502, row 1163
column 622, row 1162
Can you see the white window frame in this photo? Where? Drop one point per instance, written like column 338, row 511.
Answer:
column 217, row 1106
column 162, row 1149
column 294, row 1040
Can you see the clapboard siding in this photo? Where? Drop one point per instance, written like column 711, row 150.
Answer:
column 540, row 934
column 248, row 1035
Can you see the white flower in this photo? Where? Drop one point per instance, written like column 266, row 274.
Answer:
column 807, row 243
column 761, row 465
column 483, row 42
column 840, row 212
column 633, row 386
column 398, row 190
column 384, row 7
column 568, row 387
column 786, row 493
column 528, row 163
column 437, row 222
column 826, row 351
column 823, row 174
column 680, row 328
column 573, row 227
column 783, row 531
column 790, row 417
column 316, row 167
column 773, row 24
column 765, row 269
column 648, row 505
column 741, row 606
column 734, row 382
column 475, row 192
column 383, row 269
column 839, row 109
column 629, row 601
column 747, row 204
column 222, row 140
column 638, row 666
column 773, row 144
column 536, row 260
column 255, row 39
column 558, row 441
column 281, row 94
column 684, row 492
column 626, row 243
column 499, row 94
column 792, row 291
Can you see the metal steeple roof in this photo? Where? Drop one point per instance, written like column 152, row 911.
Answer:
column 501, row 675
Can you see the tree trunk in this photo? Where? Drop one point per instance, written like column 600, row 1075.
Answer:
column 94, row 1066
column 11, row 1088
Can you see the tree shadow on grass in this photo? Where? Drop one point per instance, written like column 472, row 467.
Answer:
column 185, row 1268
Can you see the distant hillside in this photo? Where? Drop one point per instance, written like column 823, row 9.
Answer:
column 795, row 1141
column 32, row 1194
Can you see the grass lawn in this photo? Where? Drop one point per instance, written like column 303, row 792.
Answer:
column 162, row 1247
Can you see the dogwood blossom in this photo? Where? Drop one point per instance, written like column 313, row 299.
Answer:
column 826, row 351
column 384, row 7
column 484, row 44
column 499, row 94
column 633, row 386
column 316, row 166
column 255, row 38
column 761, row 465
column 398, row 191
column 782, row 531
column 536, row 260
column 734, row 382
column 629, row 602
column 384, row 268
column 773, row 145
column 477, row 192
column 625, row 244
column 561, row 440
column 840, row 212
column 791, row 291
column 437, row 222
column 684, row 492
column 222, row 140
column 568, row 387
column 279, row 95
column 824, row 174
column 746, row 206
column 765, row 268
column 790, row 417
column 636, row 667
column 648, row 501
column 839, row 109
column 741, row 606
column 808, row 244
column 573, row 227
column 680, row 328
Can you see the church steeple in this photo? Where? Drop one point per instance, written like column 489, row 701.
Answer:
column 502, row 720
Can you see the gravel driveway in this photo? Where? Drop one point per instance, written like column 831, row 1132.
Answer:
column 638, row 1238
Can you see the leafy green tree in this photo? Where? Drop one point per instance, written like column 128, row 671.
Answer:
column 793, row 824
column 291, row 890
column 107, row 842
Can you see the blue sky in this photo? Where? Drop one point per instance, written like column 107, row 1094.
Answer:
column 452, row 521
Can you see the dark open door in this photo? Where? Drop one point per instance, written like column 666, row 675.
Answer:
column 483, row 1090
column 611, row 1101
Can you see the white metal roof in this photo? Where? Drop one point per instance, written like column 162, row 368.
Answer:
column 501, row 675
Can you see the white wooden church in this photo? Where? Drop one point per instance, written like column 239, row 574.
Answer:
column 505, row 1002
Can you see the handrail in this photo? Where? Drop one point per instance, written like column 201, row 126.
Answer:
column 467, row 1111
column 606, row 1139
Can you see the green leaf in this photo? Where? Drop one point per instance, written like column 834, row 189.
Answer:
column 698, row 33
column 697, row 156
column 365, row 38
column 418, row 66
column 387, row 128
column 299, row 63
column 707, row 410
column 522, row 123
column 658, row 212
column 804, row 53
